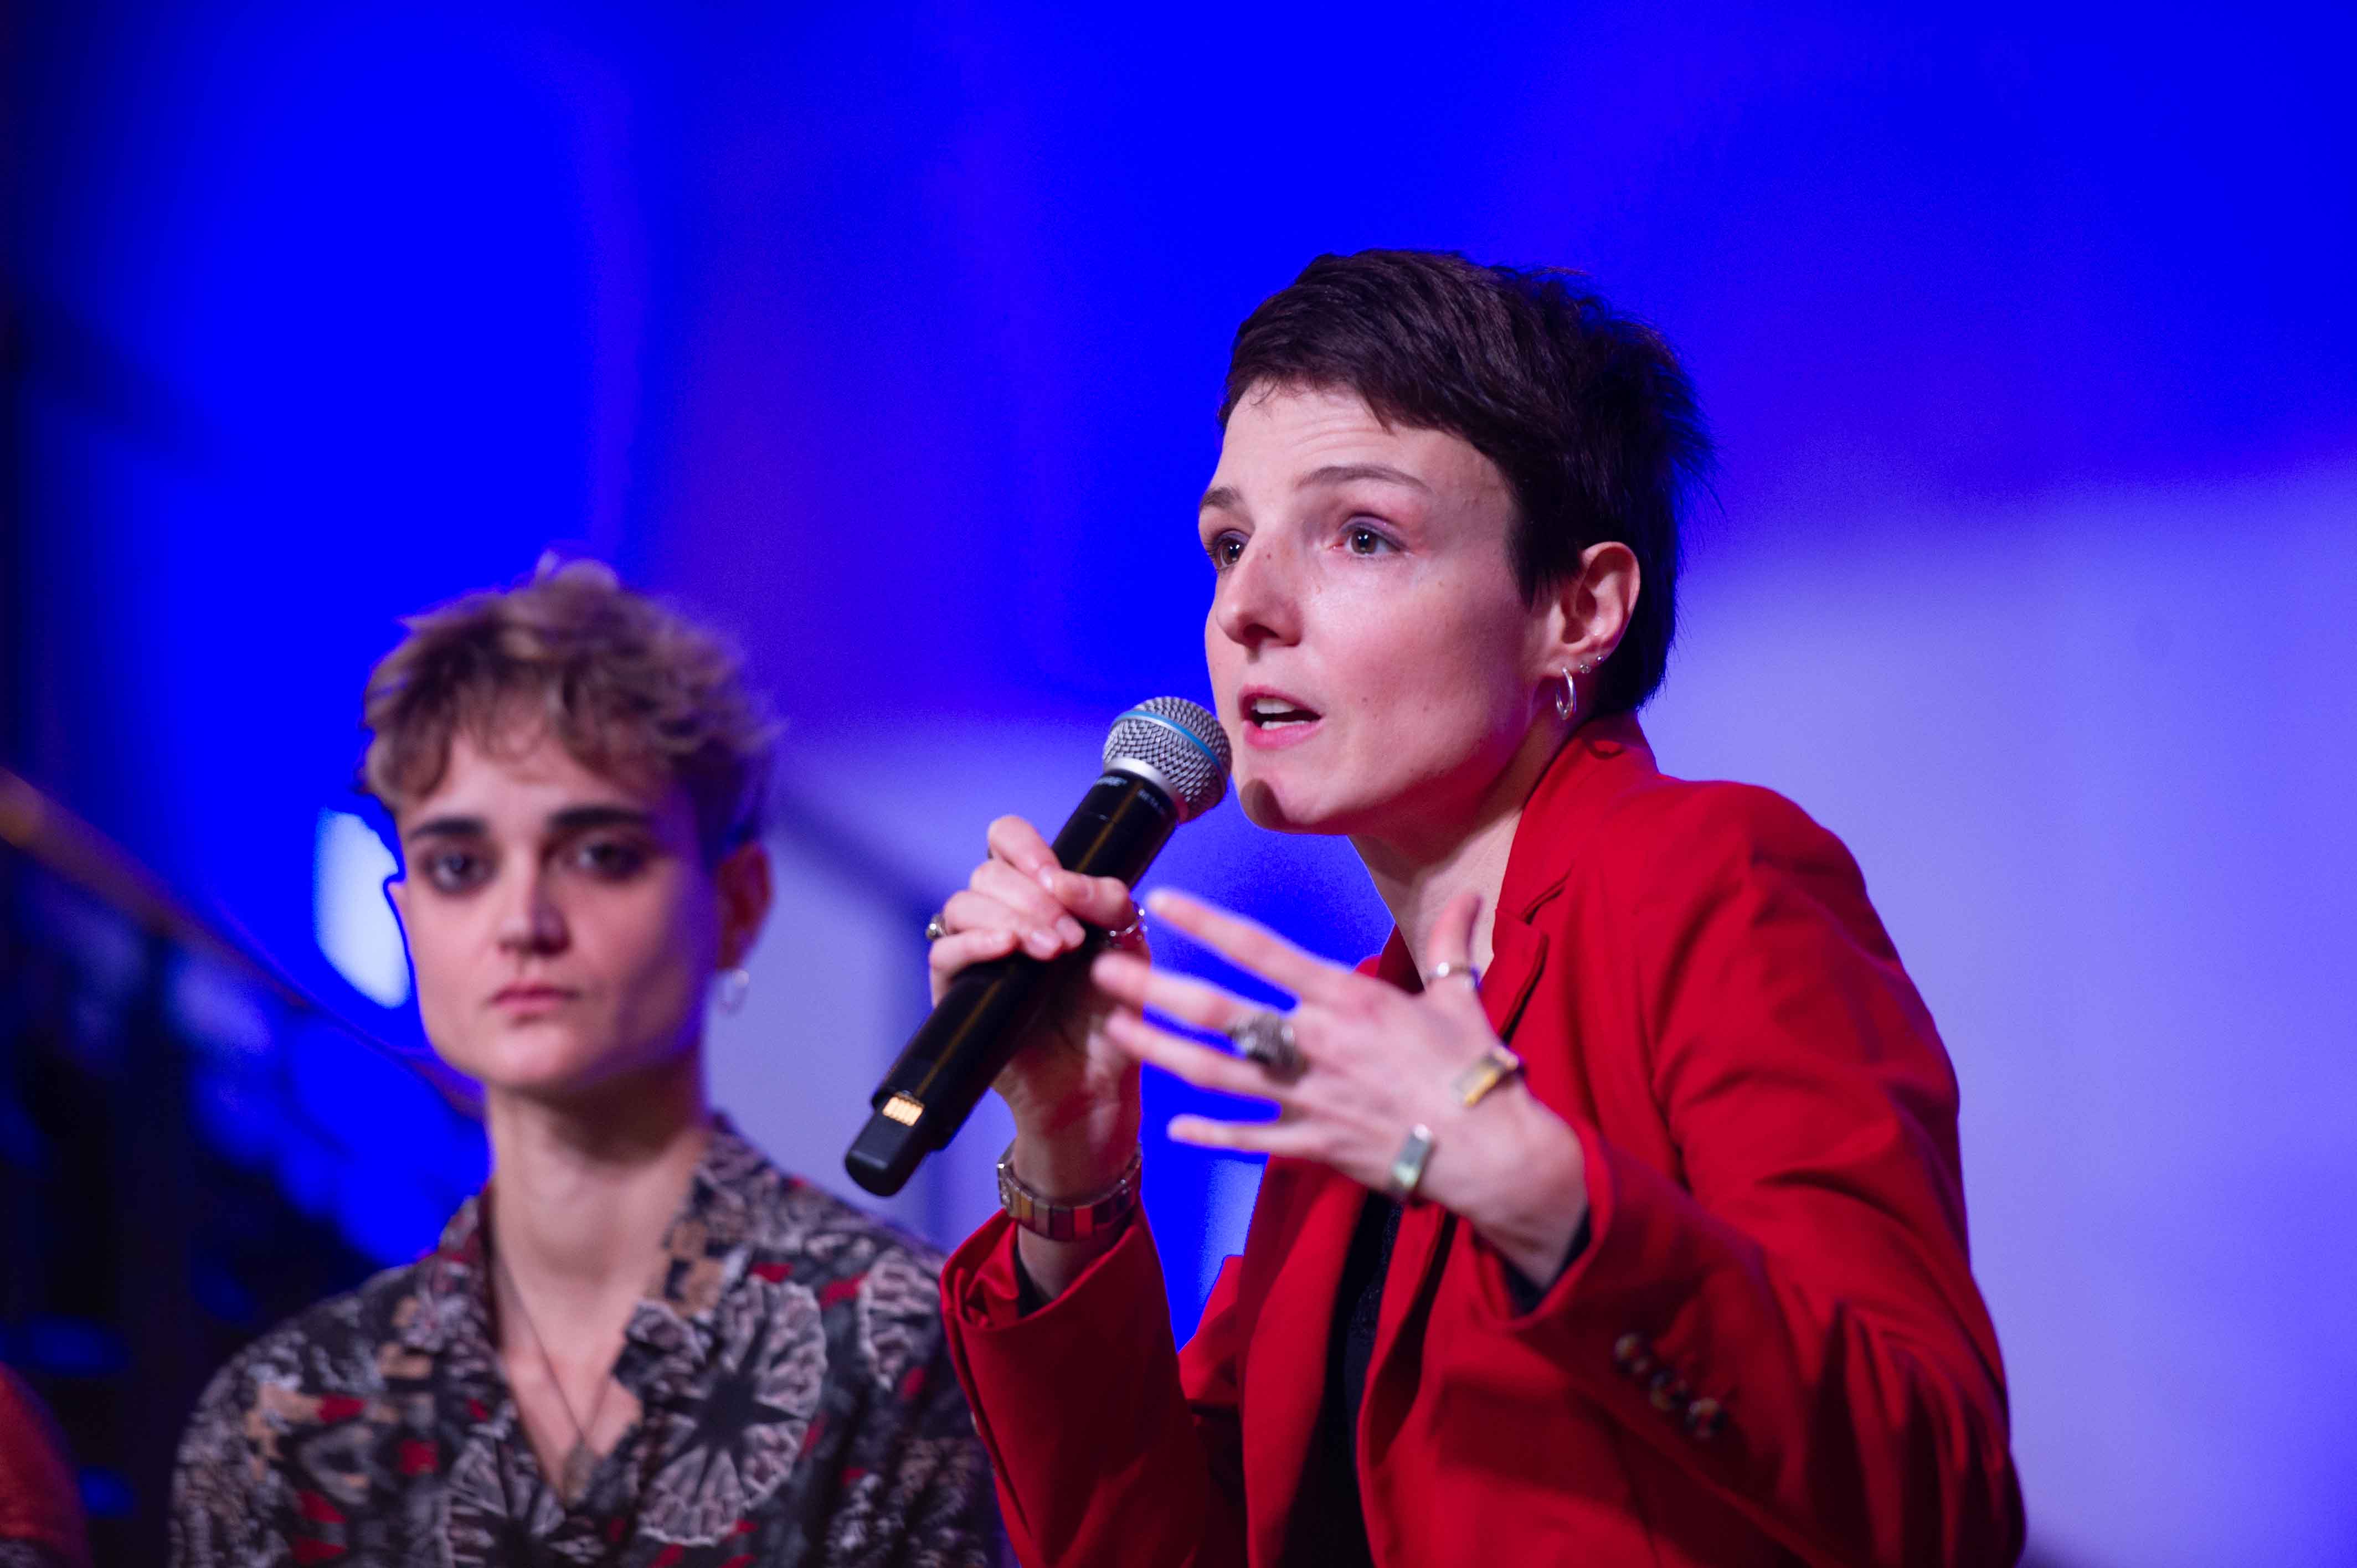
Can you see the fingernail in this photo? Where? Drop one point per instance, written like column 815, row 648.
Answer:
column 1043, row 942
column 1047, row 877
column 1159, row 901
column 1071, row 931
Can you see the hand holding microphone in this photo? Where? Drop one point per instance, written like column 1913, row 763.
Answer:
column 1066, row 1076
column 1009, row 970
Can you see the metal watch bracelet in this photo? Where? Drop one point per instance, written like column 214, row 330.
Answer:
column 1068, row 1221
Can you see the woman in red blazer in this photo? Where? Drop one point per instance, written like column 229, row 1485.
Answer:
column 1613, row 1213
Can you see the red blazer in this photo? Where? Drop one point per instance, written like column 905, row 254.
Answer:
column 1770, row 1351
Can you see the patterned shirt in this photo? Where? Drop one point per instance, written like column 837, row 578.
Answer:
column 797, row 1407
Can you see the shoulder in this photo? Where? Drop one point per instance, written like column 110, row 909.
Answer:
column 1677, row 835
column 1674, row 856
column 327, row 1347
column 788, row 1220
column 326, row 1351
column 877, row 1287
column 315, row 1366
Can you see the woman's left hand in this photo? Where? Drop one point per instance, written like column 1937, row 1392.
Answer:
column 1377, row 1062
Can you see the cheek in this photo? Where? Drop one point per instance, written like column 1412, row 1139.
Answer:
column 654, row 947
column 441, row 946
column 1223, row 661
column 1437, row 673
column 447, row 955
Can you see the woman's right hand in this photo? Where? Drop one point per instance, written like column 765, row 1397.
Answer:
column 1073, row 1093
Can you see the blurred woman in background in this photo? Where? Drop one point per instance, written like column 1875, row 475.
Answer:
column 1614, row 1213
column 641, row 1343
column 41, row 1524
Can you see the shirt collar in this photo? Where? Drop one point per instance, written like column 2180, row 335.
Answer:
column 705, row 1254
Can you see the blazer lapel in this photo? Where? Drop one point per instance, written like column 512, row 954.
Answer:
column 1518, row 955
column 1286, row 1379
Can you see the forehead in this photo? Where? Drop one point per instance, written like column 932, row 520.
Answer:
column 527, row 769
column 1281, row 436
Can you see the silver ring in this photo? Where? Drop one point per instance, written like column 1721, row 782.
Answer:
column 1407, row 1165
column 1136, row 926
column 1266, row 1037
column 934, row 929
column 1447, row 971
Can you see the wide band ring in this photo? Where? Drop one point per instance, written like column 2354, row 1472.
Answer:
column 1407, row 1165
column 934, row 928
column 1266, row 1037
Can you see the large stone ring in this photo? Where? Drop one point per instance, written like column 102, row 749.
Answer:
column 935, row 928
column 1266, row 1037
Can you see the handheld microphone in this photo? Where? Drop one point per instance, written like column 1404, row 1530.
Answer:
column 1165, row 763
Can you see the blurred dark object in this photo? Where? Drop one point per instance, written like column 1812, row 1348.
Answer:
column 168, row 1187
column 39, row 1508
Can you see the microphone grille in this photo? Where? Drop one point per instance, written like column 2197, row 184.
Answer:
column 1180, row 741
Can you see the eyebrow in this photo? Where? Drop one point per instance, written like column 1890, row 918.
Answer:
column 1343, row 473
column 1227, row 498
column 448, row 827
column 576, row 819
column 572, row 819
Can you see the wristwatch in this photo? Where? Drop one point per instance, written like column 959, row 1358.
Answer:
column 1068, row 1221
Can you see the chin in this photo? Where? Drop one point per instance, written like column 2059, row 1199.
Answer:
column 551, row 1066
column 1265, row 807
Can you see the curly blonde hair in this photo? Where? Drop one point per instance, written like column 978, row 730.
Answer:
column 632, row 689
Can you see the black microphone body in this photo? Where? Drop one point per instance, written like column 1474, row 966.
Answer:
column 948, row 1064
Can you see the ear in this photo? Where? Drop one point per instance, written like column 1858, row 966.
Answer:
column 1587, row 612
column 742, row 880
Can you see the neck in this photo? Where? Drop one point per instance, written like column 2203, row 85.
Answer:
column 583, row 1189
column 1416, row 873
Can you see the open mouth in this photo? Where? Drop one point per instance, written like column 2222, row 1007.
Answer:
column 1276, row 712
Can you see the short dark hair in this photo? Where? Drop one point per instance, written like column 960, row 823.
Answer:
column 630, row 687
column 1584, row 410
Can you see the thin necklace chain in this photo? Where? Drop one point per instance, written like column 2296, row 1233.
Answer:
column 582, row 1461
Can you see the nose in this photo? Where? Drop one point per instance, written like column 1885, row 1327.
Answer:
column 531, row 925
column 1259, row 596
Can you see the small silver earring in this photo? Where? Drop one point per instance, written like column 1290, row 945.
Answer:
column 1569, row 703
column 729, row 994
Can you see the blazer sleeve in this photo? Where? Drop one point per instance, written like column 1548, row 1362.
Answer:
column 1109, row 1446
column 1791, row 1318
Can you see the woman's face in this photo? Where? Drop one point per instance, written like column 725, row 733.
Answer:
column 1375, row 664
column 563, row 926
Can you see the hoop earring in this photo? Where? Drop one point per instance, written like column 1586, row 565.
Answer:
column 729, row 992
column 1569, row 703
